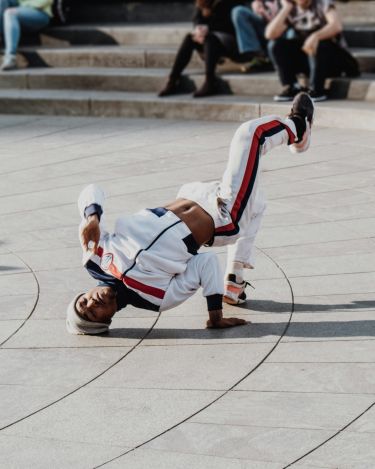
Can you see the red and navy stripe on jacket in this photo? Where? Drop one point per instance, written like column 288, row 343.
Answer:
column 262, row 132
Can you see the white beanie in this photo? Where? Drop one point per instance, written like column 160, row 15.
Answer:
column 77, row 325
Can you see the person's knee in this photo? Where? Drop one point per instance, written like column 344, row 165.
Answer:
column 238, row 13
column 275, row 46
column 326, row 48
column 10, row 12
column 206, row 259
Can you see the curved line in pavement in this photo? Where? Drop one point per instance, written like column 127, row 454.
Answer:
column 84, row 384
column 36, row 300
column 331, row 437
column 229, row 389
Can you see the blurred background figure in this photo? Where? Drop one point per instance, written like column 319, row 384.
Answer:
column 31, row 15
column 250, row 24
column 313, row 46
column 213, row 37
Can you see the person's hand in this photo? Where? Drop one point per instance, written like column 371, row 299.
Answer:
column 199, row 33
column 217, row 321
column 90, row 233
column 310, row 45
column 272, row 10
column 258, row 8
column 287, row 4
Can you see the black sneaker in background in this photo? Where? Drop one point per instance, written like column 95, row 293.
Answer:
column 288, row 93
column 318, row 96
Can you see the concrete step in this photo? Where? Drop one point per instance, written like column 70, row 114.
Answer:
column 221, row 108
column 112, row 11
column 152, row 80
column 357, row 35
column 121, row 34
column 357, row 11
column 136, row 57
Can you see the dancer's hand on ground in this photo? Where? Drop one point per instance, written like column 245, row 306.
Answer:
column 90, row 234
column 217, row 321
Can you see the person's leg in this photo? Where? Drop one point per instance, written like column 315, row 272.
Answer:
column 213, row 50
column 241, row 202
column 328, row 62
column 182, row 59
column 4, row 4
column 15, row 18
column 202, row 270
column 249, row 28
column 288, row 59
column 241, row 256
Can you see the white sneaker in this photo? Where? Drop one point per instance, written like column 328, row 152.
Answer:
column 9, row 63
column 234, row 293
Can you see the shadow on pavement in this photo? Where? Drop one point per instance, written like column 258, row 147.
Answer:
column 321, row 329
column 8, row 267
column 270, row 306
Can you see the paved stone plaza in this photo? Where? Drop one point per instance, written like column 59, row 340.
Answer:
column 295, row 388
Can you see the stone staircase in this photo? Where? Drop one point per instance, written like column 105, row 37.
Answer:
column 117, row 69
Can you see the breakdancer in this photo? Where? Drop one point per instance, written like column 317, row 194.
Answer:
column 151, row 259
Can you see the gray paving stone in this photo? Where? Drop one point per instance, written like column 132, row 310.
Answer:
column 16, row 306
column 355, row 351
column 216, row 371
column 16, row 453
column 66, row 367
column 20, row 401
column 354, row 378
column 116, row 417
column 243, row 442
column 328, row 249
column 294, row 410
column 346, row 451
column 364, row 424
column 142, row 458
column 344, row 264
column 334, row 284
column 8, row 328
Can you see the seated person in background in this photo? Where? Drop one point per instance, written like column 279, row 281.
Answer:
column 32, row 15
column 316, row 49
column 213, row 37
column 250, row 24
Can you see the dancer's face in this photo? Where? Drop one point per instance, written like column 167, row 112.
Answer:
column 97, row 305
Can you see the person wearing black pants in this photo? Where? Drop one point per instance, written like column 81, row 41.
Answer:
column 316, row 47
column 213, row 37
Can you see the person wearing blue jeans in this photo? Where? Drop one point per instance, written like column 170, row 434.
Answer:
column 15, row 15
column 250, row 25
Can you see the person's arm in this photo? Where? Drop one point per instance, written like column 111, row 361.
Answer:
column 90, row 206
column 330, row 30
column 279, row 24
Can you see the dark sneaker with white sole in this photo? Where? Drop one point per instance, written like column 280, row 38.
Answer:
column 288, row 93
column 318, row 96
